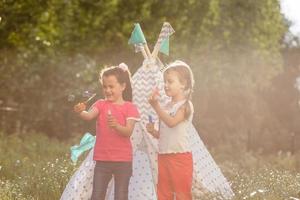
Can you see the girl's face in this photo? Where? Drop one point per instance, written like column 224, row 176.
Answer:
column 112, row 89
column 173, row 85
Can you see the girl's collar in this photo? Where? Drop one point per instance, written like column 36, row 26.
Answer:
column 117, row 104
column 171, row 103
column 176, row 102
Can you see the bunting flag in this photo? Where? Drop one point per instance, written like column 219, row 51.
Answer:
column 162, row 44
column 164, row 47
column 138, row 40
column 166, row 31
column 137, row 35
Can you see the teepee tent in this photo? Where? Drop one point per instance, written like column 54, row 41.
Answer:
column 206, row 176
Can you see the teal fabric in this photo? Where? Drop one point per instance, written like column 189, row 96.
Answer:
column 164, row 47
column 87, row 142
column 137, row 35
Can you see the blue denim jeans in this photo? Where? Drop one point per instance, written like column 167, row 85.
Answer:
column 104, row 171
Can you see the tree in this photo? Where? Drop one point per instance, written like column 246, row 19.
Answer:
column 53, row 48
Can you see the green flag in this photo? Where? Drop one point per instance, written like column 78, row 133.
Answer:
column 164, row 47
column 137, row 35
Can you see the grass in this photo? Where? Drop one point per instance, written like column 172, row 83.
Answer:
column 33, row 166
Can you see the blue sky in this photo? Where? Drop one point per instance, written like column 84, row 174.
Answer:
column 291, row 9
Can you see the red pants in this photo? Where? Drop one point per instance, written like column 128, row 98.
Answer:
column 175, row 174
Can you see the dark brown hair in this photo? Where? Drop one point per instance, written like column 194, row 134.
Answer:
column 122, row 76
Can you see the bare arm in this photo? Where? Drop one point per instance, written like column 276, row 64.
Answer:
column 90, row 114
column 170, row 121
column 86, row 115
column 150, row 128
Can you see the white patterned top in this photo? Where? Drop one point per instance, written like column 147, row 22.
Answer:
column 174, row 139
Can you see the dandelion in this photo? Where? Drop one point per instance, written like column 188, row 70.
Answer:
column 261, row 191
column 17, row 162
column 253, row 193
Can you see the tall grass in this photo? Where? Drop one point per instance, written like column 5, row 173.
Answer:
column 35, row 167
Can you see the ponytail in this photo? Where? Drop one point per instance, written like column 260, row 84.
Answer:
column 127, row 93
column 188, row 110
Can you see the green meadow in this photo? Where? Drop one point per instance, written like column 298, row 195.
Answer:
column 33, row 166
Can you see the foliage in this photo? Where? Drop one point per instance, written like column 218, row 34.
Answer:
column 52, row 49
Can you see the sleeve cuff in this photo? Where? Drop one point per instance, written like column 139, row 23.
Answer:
column 133, row 118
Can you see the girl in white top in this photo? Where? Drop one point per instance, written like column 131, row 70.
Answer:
column 175, row 163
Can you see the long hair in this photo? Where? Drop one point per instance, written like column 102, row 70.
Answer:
column 186, row 77
column 123, row 76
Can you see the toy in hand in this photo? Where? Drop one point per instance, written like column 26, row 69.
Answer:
column 155, row 92
column 78, row 108
column 112, row 122
column 150, row 119
column 82, row 106
column 153, row 99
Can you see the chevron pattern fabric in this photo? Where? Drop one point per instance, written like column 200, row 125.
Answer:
column 165, row 32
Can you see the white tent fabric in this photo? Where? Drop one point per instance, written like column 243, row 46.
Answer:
column 206, row 177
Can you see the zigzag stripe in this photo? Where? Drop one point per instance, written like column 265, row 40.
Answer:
column 143, row 82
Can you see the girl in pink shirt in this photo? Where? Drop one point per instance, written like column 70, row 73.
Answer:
column 116, row 117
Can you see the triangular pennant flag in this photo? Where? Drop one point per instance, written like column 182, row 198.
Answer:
column 165, row 32
column 164, row 47
column 137, row 35
column 162, row 44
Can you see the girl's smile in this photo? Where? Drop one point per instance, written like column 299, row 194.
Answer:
column 112, row 89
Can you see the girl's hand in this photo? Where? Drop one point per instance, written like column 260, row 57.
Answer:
column 112, row 122
column 153, row 99
column 150, row 127
column 78, row 108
